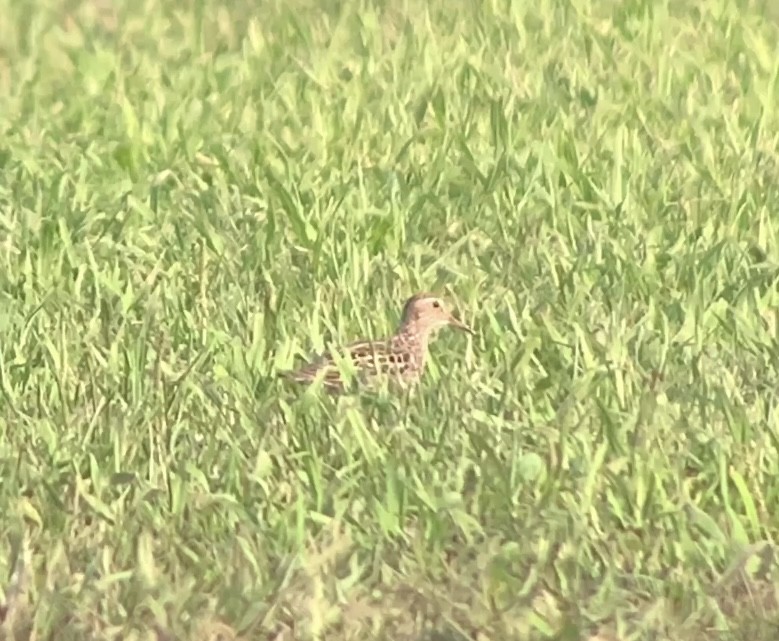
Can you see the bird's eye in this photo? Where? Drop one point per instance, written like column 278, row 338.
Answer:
column 436, row 304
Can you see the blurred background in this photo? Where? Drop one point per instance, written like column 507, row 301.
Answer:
column 195, row 195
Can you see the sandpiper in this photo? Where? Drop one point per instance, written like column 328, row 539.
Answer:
column 399, row 358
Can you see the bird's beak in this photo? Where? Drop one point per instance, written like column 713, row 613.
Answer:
column 456, row 322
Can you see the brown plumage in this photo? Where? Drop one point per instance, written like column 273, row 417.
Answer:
column 399, row 358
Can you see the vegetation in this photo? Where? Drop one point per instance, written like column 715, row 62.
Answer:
column 193, row 195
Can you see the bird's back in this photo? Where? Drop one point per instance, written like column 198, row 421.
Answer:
column 397, row 357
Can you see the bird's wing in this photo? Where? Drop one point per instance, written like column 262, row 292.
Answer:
column 308, row 372
column 369, row 358
column 380, row 356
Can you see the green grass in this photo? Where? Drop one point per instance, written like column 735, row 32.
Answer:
column 193, row 195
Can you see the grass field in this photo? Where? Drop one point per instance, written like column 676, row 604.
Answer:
column 195, row 195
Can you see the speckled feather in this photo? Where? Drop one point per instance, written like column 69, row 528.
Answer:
column 401, row 357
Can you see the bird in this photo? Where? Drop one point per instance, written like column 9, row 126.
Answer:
column 399, row 359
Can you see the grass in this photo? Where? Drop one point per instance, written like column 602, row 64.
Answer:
column 194, row 194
